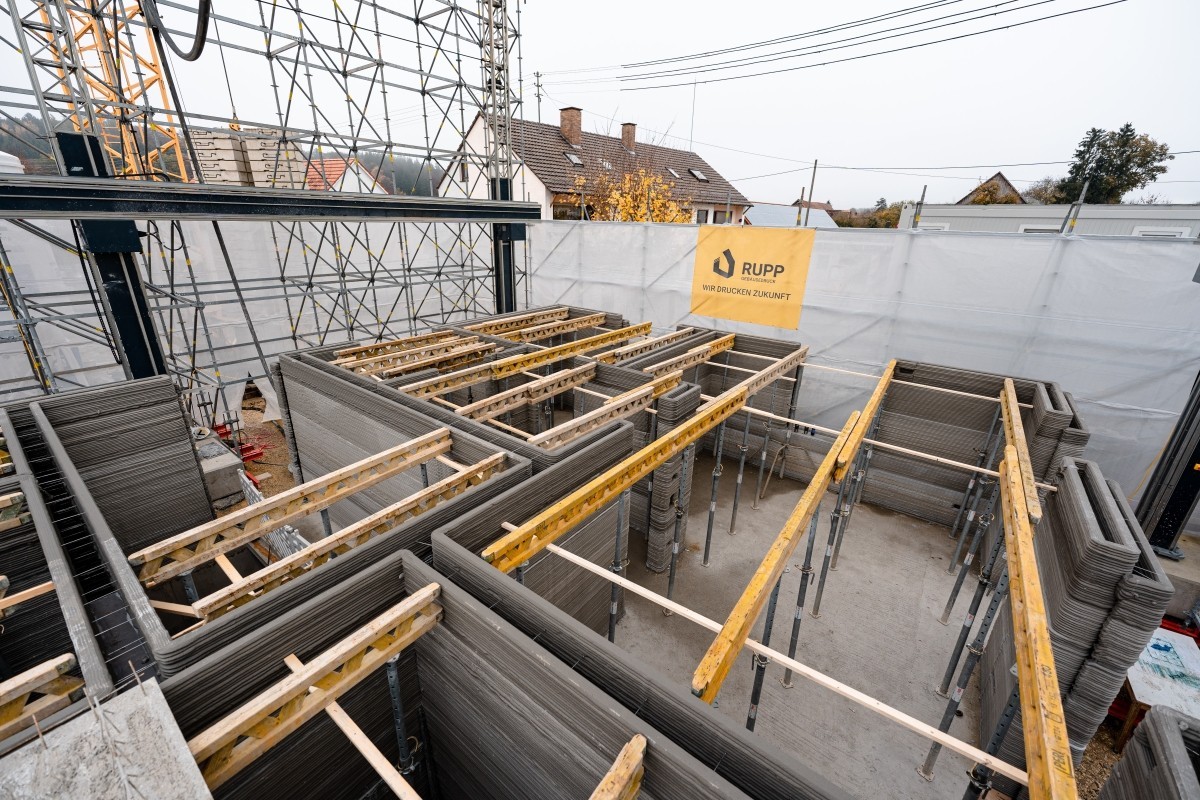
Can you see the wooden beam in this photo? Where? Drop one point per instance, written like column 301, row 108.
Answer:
column 906, row 721
column 314, row 555
column 190, row 549
column 234, row 742
column 228, row 568
column 624, row 779
column 1047, row 746
column 700, row 354
column 51, row 685
column 369, row 366
column 538, row 332
column 845, row 459
column 378, row 348
column 521, row 396
column 711, row 672
column 514, row 365
column 618, row 407
column 451, row 359
column 506, row 367
column 764, row 377
column 517, row 547
column 1014, row 432
column 9, row 602
column 497, row 327
column 379, row 762
column 630, row 351
column 175, row 608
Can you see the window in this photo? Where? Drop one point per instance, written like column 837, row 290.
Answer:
column 563, row 211
column 1038, row 229
column 462, row 172
column 574, row 159
column 720, row 217
column 674, row 174
column 1156, row 232
column 698, row 175
column 606, row 164
column 701, row 216
column 934, row 226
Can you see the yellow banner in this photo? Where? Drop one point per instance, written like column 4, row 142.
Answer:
column 751, row 274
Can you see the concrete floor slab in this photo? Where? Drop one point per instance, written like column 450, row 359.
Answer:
column 878, row 632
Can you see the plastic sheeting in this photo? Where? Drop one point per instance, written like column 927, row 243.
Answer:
column 1113, row 320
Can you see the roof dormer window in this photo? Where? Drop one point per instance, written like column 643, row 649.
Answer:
column 698, row 175
column 574, row 159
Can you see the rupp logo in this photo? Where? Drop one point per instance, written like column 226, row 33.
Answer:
column 727, row 270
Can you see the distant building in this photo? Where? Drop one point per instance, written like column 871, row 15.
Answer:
column 341, row 175
column 772, row 215
column 1156, row 221
column 550, row 158
column 827, row 207
column 996, row 190
column 10, row 164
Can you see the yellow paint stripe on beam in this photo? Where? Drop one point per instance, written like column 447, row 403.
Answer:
column 1014, row 431
column 715, row 665
column 1047, row 747
column 846, row 458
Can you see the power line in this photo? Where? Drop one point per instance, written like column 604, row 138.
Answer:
column 765, row 42
column 823, row 47
column 878, row 53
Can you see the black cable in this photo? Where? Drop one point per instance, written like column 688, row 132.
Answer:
column 203, row 11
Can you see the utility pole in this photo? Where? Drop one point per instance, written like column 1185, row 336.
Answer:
column 811, row 186
column 537, row 82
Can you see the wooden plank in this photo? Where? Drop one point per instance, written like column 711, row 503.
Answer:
column 516, row 322
column 190, row 549
column 9, row 602
column 517, row 547
column 1047, row 746
column 234, row 742
column 803, row 670
column 378, row 761
column 765, row 377
column 175, row 608
column 630, row 351
column 624, row 779
column 845, row 459
column 1014, row 432
column 711, row 672
column 54, row 695
column 25, row 682
column 314, row 555
column 227, row 567
column 521, row 396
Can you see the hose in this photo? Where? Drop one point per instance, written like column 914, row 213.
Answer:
column 203, row 11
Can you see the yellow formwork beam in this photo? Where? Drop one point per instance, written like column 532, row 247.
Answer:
column 362, row 351
column 1047, row 748
column 518, row 546
column 845, row 459
column 700, row 354
column 1014, row 432
column 624, row 779
column 711, row 672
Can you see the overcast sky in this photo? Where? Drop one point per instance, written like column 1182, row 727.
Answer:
column 1026, row 94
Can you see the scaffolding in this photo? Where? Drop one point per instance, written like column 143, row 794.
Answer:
column 279, row 93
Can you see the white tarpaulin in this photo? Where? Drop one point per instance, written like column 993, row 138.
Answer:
column 1115, row 321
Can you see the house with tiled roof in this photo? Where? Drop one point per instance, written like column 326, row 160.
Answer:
column 554, row 166
column 996, row 190
column 340, row 175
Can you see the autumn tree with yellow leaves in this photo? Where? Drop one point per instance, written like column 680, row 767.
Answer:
column 639, row 195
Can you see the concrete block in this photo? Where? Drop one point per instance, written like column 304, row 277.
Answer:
column 220, row 468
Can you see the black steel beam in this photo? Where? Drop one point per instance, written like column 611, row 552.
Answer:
column 52, row 197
